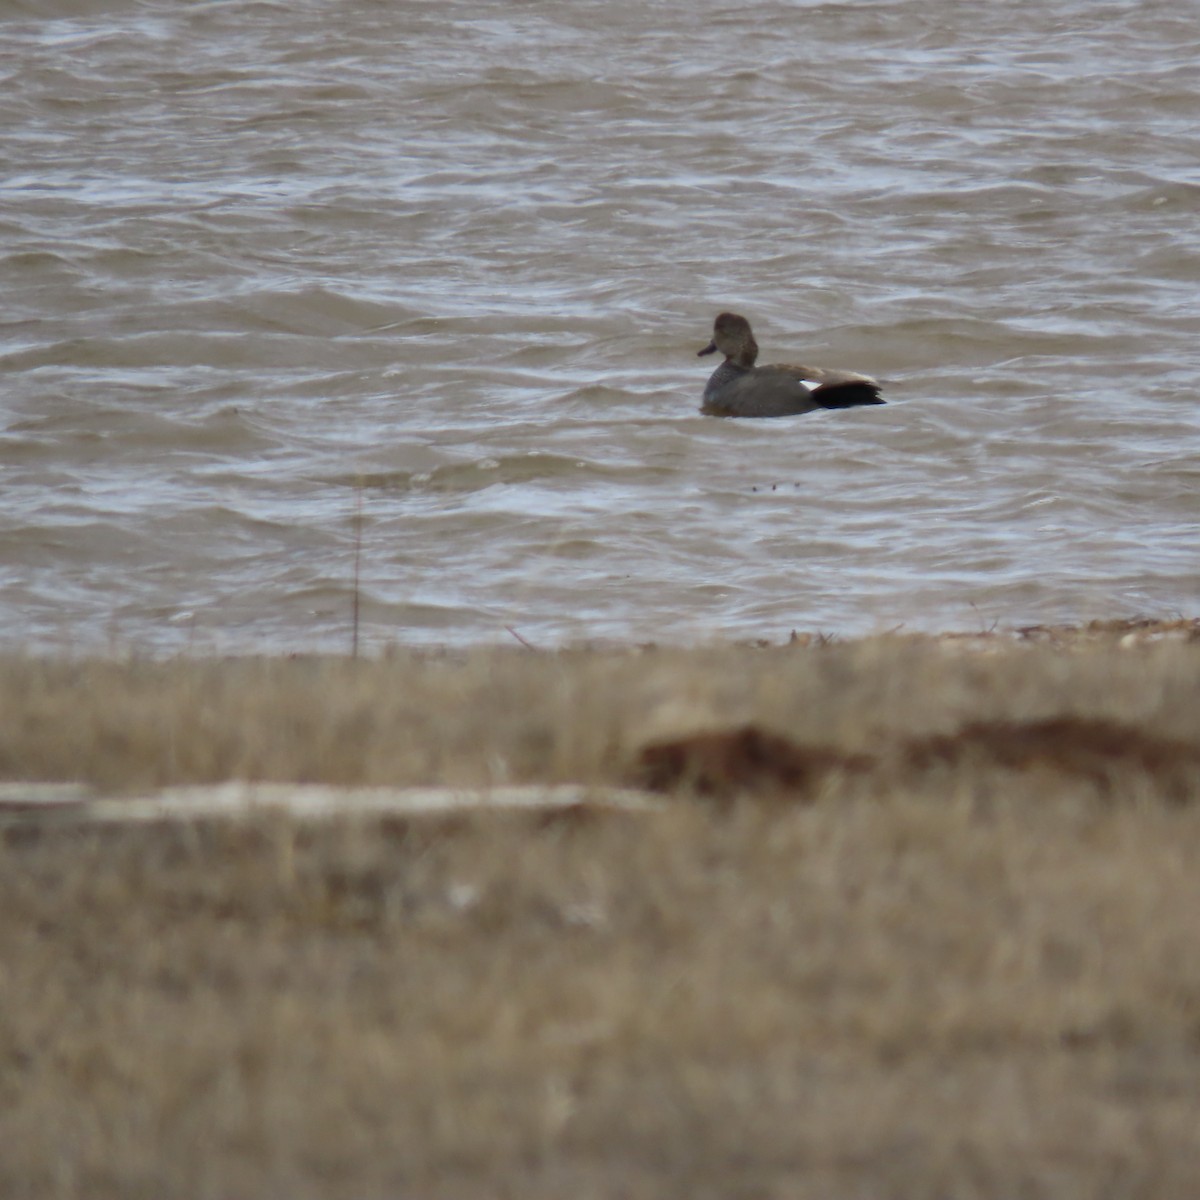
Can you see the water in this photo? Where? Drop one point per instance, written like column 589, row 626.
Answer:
column 449, row 264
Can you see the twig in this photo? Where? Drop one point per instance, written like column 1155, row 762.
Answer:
column 357, row 562
column 527, row 645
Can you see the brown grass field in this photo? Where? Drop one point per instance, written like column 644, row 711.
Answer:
column 913, row 918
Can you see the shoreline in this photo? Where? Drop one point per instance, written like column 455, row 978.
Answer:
column 514, row 715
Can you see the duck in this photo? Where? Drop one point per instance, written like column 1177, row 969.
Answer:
column 737, row 388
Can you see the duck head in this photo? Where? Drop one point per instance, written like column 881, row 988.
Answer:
column 732, row 337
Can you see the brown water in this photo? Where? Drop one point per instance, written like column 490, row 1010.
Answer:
column 457, row 258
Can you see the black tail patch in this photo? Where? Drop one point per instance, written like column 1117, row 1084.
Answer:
column 847, row 395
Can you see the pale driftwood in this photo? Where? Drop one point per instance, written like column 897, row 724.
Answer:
column 239, row 800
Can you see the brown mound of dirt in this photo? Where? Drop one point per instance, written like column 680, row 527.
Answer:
column 724, row 763
column 1079, row 746
column 721, row 763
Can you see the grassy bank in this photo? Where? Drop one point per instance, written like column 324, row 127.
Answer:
column 916, row 918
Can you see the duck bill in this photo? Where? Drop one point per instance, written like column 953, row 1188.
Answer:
column 711, row 348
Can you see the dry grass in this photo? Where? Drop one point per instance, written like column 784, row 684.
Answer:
column 922, row 921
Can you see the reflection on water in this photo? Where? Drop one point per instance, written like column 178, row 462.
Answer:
column 453, row 265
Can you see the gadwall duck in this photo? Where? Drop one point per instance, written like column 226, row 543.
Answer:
column 738, row 388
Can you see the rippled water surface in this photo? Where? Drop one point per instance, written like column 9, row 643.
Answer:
column 447, row 265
